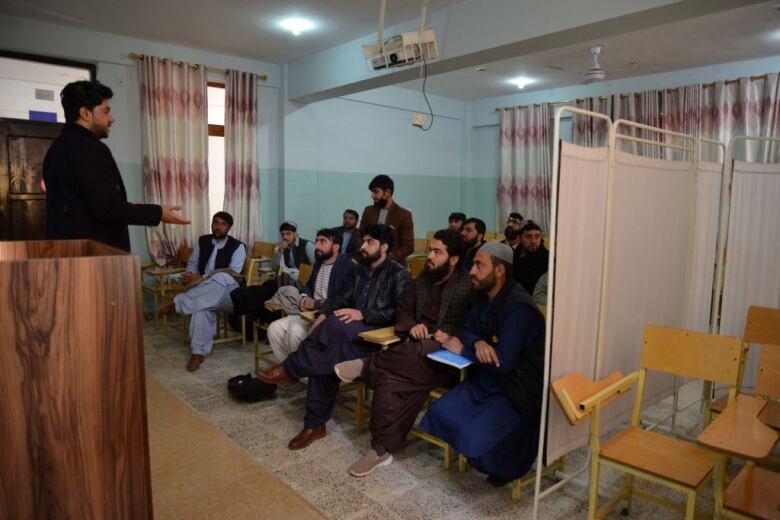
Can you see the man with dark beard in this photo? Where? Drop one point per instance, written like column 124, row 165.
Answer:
column 493, row 417
column 402, row 376
column 531, row 257
column 386, row 211
column 331, row 270
column 473, row 233
column 213, row 271
column 366, row 302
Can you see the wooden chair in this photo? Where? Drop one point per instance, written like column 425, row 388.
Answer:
column 383, row 337
column 421, row 246
column 739, row 432
column 763, row 327
column 429, row 235
column 224, row 333
column 649, row 455
column 304, row 273
column 161, row 286
column 489, row 235
column 262, row 252
column 416, row 265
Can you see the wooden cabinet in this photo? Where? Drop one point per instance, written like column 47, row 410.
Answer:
column 73, row 433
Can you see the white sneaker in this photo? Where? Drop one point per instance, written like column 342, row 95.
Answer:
column 350, row 370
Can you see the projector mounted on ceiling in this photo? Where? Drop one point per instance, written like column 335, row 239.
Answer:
column 405, row 49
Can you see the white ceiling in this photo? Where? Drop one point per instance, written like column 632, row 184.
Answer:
column 236, row 27
column 734, row 35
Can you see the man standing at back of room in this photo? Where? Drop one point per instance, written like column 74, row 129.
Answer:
column 386, row 211
column 85, row 195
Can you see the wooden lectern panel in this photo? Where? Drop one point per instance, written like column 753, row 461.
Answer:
column 73, row 435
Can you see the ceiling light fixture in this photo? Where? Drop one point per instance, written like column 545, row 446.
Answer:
column 521, row 81
column 296, row 25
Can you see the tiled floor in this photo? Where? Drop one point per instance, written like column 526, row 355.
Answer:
column 415, row 486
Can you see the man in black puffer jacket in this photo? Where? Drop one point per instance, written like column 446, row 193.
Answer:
column 367, row 302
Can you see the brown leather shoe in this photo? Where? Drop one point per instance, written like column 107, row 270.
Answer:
column 306, row 437
column 194, row 363
column 275, row 375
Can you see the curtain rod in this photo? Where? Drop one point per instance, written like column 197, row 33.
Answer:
column 136, row 56
column 624, row 96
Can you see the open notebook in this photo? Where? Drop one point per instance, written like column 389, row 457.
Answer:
column 448, row 358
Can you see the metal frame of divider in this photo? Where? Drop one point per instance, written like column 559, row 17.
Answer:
column 693, row 147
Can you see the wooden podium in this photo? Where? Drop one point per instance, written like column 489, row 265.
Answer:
column 73, row 434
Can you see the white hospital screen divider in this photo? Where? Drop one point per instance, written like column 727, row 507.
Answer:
column 682, row 175
column 748, row 271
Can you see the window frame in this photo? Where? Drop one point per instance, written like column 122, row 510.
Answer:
column 216, row 130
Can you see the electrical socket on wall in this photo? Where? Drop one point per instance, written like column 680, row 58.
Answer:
column 419, row 120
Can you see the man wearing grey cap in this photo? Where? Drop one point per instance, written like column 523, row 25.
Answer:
column 493, row 417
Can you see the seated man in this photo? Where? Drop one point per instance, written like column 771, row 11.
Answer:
column 473, row 233
column 515, row 221
column 455, row 220
column 493, row 417
column 531, row 257
column 289, row 254
column 216, row 262
column 330, row 272
column 350, row 240
column 402, row 376
column 367, row 302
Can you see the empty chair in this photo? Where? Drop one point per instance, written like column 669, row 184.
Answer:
column 645, row 454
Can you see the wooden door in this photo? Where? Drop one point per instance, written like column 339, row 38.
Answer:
column 23, row 145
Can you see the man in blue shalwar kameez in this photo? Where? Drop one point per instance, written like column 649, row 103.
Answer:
column 493, row 417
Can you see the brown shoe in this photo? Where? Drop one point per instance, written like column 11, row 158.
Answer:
column 306, row 437
column 194, row 363
column 165, row 308
column 275, row 375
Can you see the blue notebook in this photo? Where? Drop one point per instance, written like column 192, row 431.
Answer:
column 448, row 358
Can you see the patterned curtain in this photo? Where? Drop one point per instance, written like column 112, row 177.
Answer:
column 642, row 107
column 242, row 176
column 718, row 111
column 174, row 125
column 524, row 182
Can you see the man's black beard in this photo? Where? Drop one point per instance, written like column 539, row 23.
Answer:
column 486, row 284
column 367, row 259
column 436, row 274
column 470, row 243
column 321, row 256
column 381, row 203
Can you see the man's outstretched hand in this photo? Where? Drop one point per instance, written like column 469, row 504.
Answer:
column 169, row 215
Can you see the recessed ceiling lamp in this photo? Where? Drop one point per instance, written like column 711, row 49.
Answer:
column 296, row 25
column 521, row 82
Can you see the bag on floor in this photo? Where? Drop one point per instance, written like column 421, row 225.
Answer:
column 249, row 389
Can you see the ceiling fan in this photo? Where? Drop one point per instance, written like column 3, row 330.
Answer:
column 595, row 72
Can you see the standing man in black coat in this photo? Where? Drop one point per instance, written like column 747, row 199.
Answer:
column 85, row 195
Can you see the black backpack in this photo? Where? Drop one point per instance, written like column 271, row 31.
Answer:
column 249, row 389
